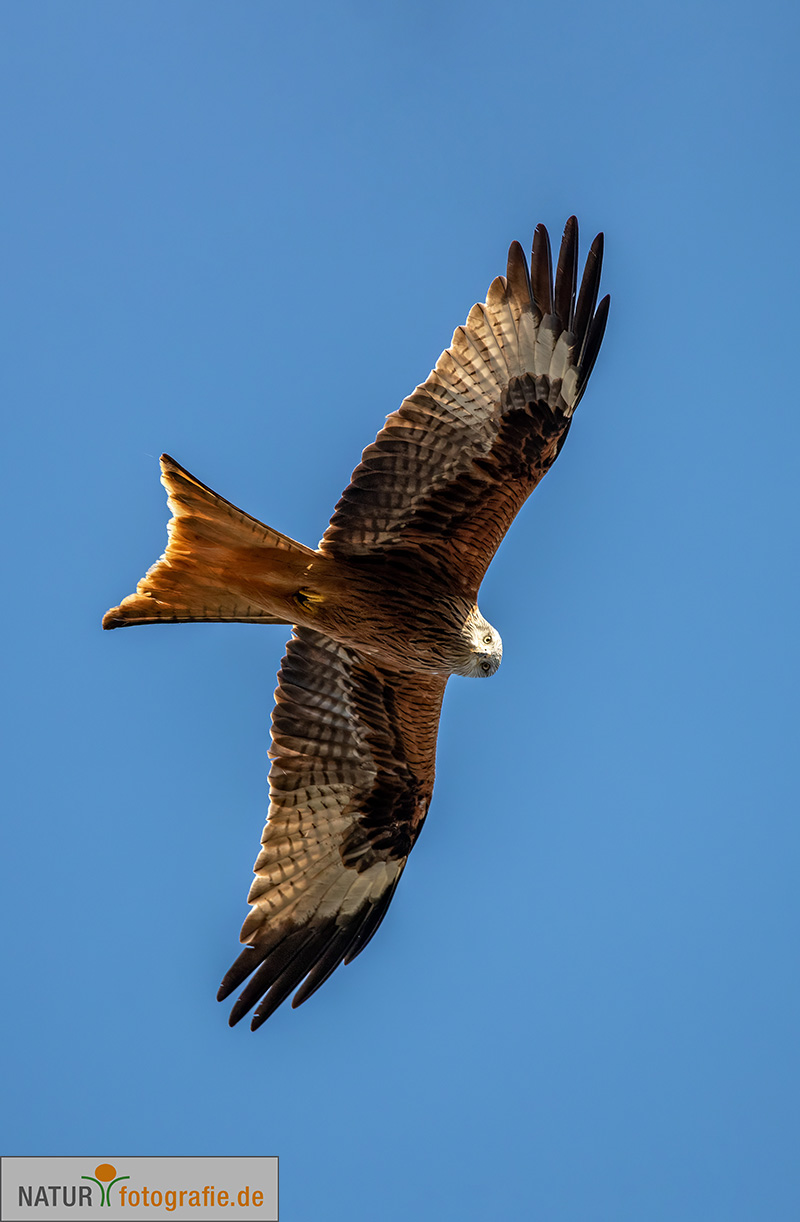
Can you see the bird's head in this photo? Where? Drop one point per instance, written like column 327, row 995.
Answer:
column 483, row 650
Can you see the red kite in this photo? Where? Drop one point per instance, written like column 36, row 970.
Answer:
column 382, row 612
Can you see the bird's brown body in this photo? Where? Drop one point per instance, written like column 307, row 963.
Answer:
column 383, row 611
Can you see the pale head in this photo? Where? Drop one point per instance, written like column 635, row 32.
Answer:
column 484, row 648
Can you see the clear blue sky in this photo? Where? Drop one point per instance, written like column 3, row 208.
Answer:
column 241, row 233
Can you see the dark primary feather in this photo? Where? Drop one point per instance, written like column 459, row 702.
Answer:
column 567, row 274
column 542, row 271
column 517, row 277
column 593, row 341
column 587, row 297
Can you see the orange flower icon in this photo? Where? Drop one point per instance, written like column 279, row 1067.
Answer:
column 105, row 1176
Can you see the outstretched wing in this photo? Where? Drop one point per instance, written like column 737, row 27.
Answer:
column 452, row 466
column 353, row 751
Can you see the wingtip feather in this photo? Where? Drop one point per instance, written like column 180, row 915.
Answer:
column 518, row 276
column 587, row 296
column 542, row 270
column 567, row 274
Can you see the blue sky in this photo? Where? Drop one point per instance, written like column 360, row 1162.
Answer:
column 242, row 233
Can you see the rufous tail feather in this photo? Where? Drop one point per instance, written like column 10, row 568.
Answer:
column 220, row 565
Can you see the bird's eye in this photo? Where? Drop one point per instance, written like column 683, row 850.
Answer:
column 485, row 666
column 487, row 640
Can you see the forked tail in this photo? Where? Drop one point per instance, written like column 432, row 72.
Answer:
column 220, row 565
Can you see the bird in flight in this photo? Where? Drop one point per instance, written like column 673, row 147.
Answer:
column 382, row 612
